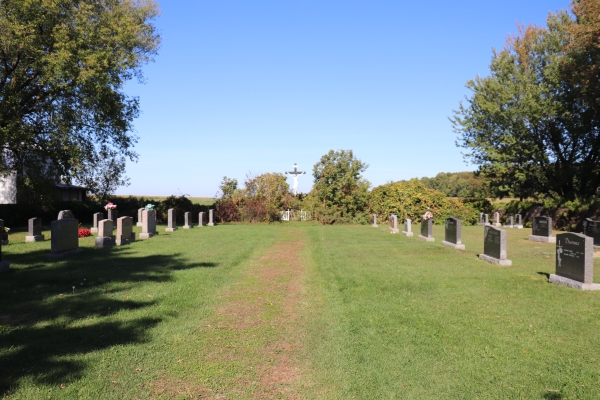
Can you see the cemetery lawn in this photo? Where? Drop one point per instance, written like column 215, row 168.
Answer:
column 298, row 311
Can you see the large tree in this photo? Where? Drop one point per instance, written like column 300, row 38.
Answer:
column 532, row 125
column 63, row 66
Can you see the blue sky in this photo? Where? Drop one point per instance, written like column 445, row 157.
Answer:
column 247, row 86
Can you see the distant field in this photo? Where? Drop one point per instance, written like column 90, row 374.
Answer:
column 205, row 201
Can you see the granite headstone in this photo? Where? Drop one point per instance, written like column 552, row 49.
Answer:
column 125, row 234
column 171, row 220
column 187, row 216
column 97, row 217
column 105, row 236
column 34, row 233
column 426, row 230
column 494, row 246
column 574, row 261
column 148, row 224
column 542, row 230
column 407, row 227
column 453, row 234
column 591, row 228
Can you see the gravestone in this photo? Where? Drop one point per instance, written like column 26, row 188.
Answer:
column 4, row 239
column 105, row 236
column 518, row 221
column 113, row 214
column 486, row 220
column 407, row 227
column 64, row 239
column 148, row 224
column 97, row 217
column 480, row 219
column 4, row 265
column 374, row 221
column 426, row 230
column 542, row 230
column 394, row 224
column 453, row 236
column 591, row 228
column 172, row 220
column 210, row 217
column 125, row 234
column 494, row 246
column 201, row 219
column 188, row 220
column 574, row 261
column 140, row 216
column 65, row 214
column 34, row 233
column 511, row 222
column 497, row 219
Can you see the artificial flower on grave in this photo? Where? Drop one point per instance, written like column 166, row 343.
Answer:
column 110, row 206
column 83, row 232
column 149, row 207
column 427, row 215
column 6, row 229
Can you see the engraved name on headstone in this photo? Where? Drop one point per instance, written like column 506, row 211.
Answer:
column 494, row 246
column 34, row 233
column 574, row 262
column 542, row 230
column 426, row 230
column 453, row 234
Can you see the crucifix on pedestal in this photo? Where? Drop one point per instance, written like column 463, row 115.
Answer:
column 295, row 174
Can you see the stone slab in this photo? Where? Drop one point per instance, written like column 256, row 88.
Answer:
column 542, row 239
column 94, row 230
column 106, row 241
column 123, row 241
column 519, row 226
column 454, row 246
column 493, row 260
column 409, row 234
column 498, row 224
column 145, row 236
column 561, row 280
column 4, row 267
column 427, row 239
column 188, row 226
column 56, row 256
column 394, row 230
column 170, row 229
column 36, row 238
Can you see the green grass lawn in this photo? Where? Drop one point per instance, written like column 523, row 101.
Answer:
column 295, row 310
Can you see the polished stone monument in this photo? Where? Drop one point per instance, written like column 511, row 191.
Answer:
column 591, row 228
column 172, row 220
column 453, row 236
column 542, row 230
column 148, row 224
column 34, row 233
column 407, row 227
column 426, row 230
column 105, row 236
column 574, row 261
column 494, row 246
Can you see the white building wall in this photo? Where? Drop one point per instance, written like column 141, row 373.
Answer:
column 8, row 189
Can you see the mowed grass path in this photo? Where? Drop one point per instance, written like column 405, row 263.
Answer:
column 295, row 311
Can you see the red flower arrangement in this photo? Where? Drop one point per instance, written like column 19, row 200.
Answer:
column 83, row 232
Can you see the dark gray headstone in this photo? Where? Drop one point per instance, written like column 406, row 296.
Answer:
column 97, row 217
column 453, row 230
column 542, row 226
column 494, row 246
column 574, row 257
column 35, row 227
column 113, row 215
column 426, row 230
column 591, row 228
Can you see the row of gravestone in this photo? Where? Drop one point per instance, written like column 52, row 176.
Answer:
column 574, row 251
column 64, row 239
column 513, row 222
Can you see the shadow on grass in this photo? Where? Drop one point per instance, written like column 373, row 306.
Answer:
column 51, row 311
column 552, row 396
column 547, row 275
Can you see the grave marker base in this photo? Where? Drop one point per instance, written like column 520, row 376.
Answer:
column 102, row 242
column 561, row 280
column 94, row 230
column 503, row 263
column 170, row 229
column 4, row 242
column 210, row 224
column 393, row 230
column 55, row 256
column 139, row 224
column 453, row 245
column 409, row 234
column 427, row 239
column 497, row 224
column 375, row 225
column 144, row 236
column 122, row 241
column 519, row 226
column 36, row 238
column 188, row 226
column 4, row 267
column 482, row 224
column 542, row 239
column 509, row 226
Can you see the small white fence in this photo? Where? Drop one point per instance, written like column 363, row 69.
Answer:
column 292, row 215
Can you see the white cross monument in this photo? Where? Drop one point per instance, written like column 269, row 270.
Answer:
column 295, row 174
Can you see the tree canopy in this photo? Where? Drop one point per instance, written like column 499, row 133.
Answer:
column 532, row 126
column 63, row 66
